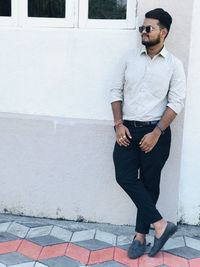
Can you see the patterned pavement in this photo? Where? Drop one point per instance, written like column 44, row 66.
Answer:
column 34, row 242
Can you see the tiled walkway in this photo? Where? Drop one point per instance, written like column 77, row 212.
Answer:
column 33, row 242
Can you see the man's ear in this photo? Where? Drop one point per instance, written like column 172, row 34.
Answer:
column 164, row 32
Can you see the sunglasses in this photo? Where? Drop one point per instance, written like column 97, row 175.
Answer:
column 147, row 29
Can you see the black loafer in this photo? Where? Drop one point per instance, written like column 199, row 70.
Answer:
column 136, row 249
column 170, row 229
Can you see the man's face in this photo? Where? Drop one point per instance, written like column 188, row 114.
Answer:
column 155, row 36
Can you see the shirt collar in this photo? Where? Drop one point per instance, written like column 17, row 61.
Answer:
column 163, row 52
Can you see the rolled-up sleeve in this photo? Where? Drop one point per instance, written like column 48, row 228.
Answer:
column 117, row 88
column 177, row 89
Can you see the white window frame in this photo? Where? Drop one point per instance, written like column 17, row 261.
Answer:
column 69, row 21
column 128, row 23
column 13, row 19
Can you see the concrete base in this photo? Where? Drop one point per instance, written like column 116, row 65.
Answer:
column 62, row 168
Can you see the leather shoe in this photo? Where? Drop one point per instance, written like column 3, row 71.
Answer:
column 136, row 249
column 170, row 229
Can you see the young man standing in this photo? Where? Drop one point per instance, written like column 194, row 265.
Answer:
column 148, row 98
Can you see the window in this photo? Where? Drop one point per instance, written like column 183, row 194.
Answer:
column 47, row 13
column 5, row 8
column 8, row 16
column 118, row 14
column 46, row 8
column 107, row 9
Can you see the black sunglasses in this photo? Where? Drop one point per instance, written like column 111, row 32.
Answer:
column 147, row 29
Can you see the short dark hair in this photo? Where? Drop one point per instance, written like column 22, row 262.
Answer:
column 165, row 19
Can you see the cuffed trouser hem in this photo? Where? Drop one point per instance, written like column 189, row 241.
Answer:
column 145, row 229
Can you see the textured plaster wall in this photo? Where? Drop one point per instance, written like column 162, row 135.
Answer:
column 61, row 166
column 189, row 210
column 60, row 72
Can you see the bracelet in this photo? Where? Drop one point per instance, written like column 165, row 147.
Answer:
column 158, row 126
column 118, row 123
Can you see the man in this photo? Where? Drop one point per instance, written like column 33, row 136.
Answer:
column 145, row 102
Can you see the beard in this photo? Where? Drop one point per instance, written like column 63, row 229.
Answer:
column 151, row 42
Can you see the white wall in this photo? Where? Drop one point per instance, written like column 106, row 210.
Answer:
column 56, row 166
column 189, row 207
column 61, row 166
column 60, row 72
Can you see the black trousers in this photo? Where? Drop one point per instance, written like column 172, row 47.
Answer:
column 138, row 173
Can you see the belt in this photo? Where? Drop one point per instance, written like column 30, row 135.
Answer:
column 140, row 123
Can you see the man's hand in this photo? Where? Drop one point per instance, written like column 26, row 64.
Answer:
column 122, row 135
column 149, row 140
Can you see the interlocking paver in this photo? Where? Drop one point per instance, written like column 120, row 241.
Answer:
column 109, row 264
column 53, row 251
column 195, row 262
column 63, row 244
column 192, row 243
column 185, row 252
column 174, row 261
column 78, row 253
column 33, row 224
column 176, row 242
column 46, row 240
column 13, row 258
column 38, row 264
column 27, row 264
column 30, row 249
column 147, row 261
column 101, row 255
column 83, row 235
column 124, row 240
column 4, row 225
column 4, row 221
column 18, row 230
column 121, row 256
column 61, row 233
column 61, row 262
column 93, row 244
column 124, row 247
column 10, row 246
column 5, row 237
column 106, row 237
column 39, row 231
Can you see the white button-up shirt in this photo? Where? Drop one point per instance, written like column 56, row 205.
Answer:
column 147, row 86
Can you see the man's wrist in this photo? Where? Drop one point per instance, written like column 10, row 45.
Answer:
column 162, row 131
column 157, row 131
column 118, row 123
